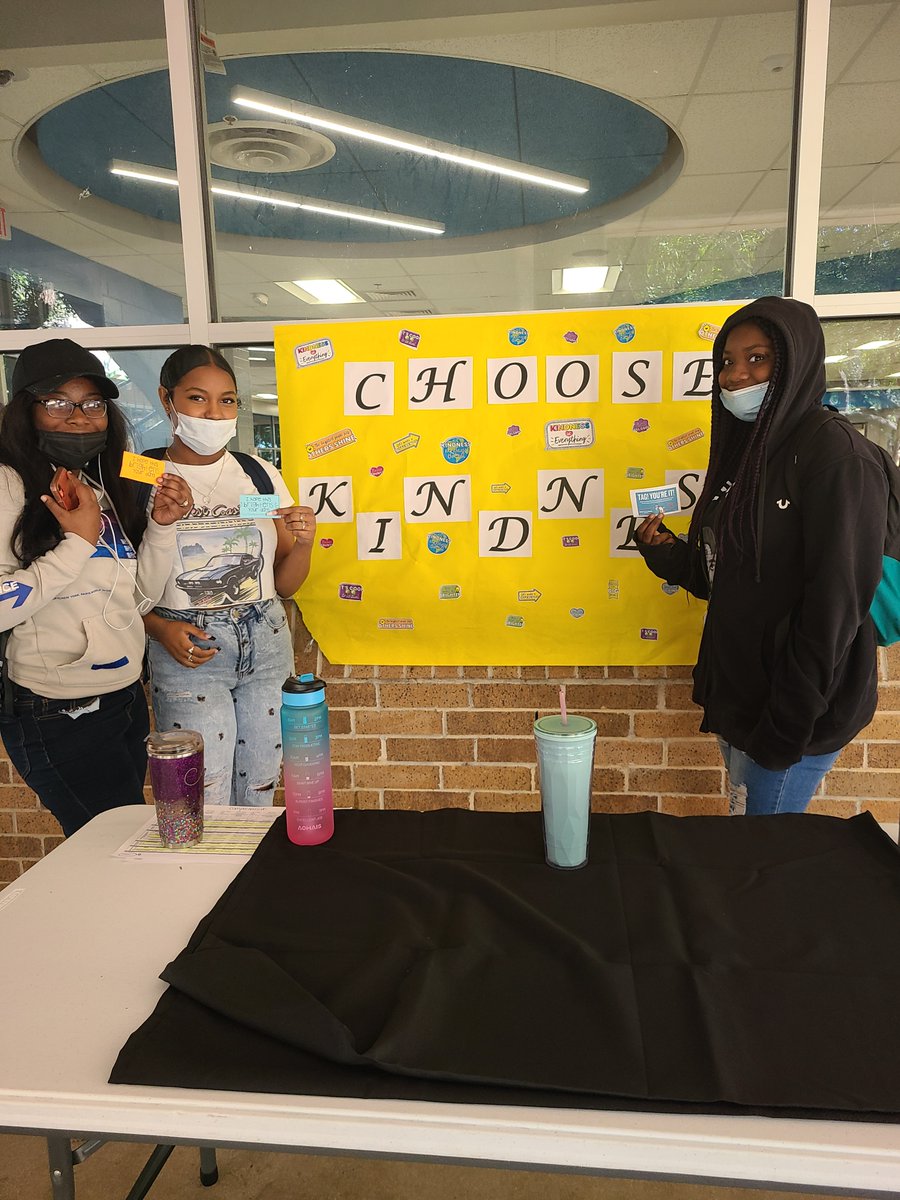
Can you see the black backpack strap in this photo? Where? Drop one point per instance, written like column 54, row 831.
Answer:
column 258, row 474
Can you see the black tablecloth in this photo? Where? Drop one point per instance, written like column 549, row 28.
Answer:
column 695, row 964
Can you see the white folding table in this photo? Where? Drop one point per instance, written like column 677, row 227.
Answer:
column 83, row 938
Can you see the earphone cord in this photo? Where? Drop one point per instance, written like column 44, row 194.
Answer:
column 145, row 603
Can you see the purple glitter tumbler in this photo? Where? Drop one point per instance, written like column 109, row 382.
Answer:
column 176, row 777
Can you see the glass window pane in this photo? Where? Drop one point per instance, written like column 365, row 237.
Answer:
column 863, row 374
column 633, row 135
column 87, row 247
column 859, row 236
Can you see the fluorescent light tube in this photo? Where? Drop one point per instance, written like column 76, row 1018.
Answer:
column 264, row 396
column 397, row 139
column 240, row 191
column 571, row 281
column 321, row 291
column 878, row 344
column 833, row 358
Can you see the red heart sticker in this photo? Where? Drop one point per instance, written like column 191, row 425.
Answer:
column 326, row 542
column 376, row 471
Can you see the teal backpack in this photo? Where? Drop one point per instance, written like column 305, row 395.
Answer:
column 885, row 610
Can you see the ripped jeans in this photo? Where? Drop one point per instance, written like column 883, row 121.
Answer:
column 234, row 700
column 755, row 791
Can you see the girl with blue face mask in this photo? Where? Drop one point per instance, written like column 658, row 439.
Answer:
column 786, row 673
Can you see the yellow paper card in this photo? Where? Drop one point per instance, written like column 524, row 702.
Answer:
column 144, row 470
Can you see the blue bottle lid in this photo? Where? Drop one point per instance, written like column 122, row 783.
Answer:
column 302, row 691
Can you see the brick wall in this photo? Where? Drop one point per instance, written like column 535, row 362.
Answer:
column 425, row 737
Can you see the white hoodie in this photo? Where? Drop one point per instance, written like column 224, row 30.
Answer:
column 76, row 630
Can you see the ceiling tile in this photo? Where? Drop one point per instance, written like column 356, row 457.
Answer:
column 721, row 139
column 638, row 61
column 851, row 136
column 880, row 57
column 737, row 59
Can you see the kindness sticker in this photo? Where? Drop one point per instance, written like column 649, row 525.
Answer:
column 437, row 543
column 685, row 439
column 409, row 442
column 330, row 443
column 311, row 353
column 569, row 435
column 518, row 336
column 624, row 333
column 455, row 449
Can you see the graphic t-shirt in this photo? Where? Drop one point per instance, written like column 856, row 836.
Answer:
column 222, row 558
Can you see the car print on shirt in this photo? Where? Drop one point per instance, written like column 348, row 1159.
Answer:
column 226, row 573
column 221, row 563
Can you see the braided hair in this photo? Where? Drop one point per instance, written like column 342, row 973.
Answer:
column 738, row 453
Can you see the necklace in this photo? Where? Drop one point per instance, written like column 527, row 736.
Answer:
column 203, row 497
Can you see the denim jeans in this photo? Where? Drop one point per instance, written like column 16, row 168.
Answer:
column 755, row 791
column 233, row 700
column 80, row 766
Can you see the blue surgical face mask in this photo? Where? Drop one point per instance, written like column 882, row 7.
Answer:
column 746, row 402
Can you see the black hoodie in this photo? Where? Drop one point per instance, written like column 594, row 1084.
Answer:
column 787, row 661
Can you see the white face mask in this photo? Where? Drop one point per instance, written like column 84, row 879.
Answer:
column 202, row 435
column 746, row 402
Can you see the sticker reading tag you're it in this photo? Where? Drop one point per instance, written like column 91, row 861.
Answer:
column 141, row 468
column 259, row 506
column 311, row 353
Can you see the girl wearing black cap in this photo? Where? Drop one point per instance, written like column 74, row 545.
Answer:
column 786, row 674
column 74, row 713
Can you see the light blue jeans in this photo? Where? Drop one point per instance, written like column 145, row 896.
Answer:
column 755, row 791
column 234, row 700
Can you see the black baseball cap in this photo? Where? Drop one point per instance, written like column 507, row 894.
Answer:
column 48, row 365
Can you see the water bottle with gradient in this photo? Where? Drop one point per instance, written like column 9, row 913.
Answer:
column 308, row 802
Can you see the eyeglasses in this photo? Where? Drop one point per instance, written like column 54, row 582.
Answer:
column 65, row 408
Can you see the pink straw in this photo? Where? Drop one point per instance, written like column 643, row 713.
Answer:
column 562, row 705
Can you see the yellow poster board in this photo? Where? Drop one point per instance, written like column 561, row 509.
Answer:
column 472, row 479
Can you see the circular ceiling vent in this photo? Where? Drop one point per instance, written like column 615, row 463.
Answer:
column 271, row 148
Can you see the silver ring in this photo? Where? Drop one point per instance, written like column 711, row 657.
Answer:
column 191, row 652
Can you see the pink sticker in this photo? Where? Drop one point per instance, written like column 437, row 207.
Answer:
column 571, row 336
column 326, row 543
column 376, row 471
column 641, row 425
column 513, row 430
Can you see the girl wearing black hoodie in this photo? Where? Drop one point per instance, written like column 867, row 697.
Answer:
column 788, row 560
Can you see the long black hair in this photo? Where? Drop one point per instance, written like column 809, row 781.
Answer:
column 186, row 359
column 737, row 453
column 36, row 531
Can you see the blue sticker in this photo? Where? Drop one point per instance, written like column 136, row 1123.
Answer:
column 437, row 543
column 576, row 613
column 518, row 336
column 456, row 449
column 670, row 588
column 624, row 333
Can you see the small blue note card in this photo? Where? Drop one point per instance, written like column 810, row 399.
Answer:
column 647, row 502
column 259, row 506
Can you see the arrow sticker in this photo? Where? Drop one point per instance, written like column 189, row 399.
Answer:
column 500, row 488
column 530, row 594
column 19, row 592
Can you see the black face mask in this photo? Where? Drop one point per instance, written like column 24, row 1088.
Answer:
column 71, row 450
